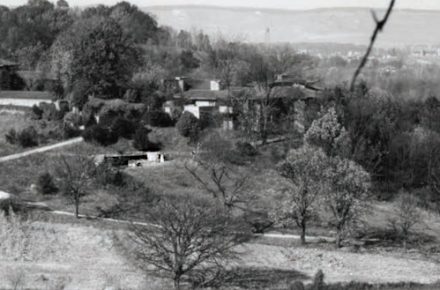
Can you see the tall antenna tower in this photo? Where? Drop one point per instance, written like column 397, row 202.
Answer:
column 267, row 36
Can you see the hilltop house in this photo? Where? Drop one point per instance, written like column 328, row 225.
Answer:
column 206, row 99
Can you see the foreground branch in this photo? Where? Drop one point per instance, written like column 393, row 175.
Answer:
column 380, row 24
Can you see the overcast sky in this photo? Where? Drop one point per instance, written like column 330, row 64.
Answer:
column 285, row 4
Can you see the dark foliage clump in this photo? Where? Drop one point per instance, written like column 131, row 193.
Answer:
column 246, row 149
column 189, row 126
column 70, row 132
column 159, row 118
column 142, row 142
column 46, row 184
column 28, row 137
column 123, row 127
column 102, row 136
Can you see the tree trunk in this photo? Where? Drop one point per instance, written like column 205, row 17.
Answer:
column 338, row 239
column 176, row 283
column 77, row 208
column 303, row 233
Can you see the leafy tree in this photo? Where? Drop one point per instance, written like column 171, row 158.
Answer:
column 347, row 187
column 101, row 135
column 189, row 126
column 184, row 40
column 63, row 4
column 192, row 242
column 138, row 26
column 188, row 61
column 103, row 57
column 29, row 30
column 158, row 118
column 302, row 170
column 123, row 127
column 142, row 142
column 328, row 134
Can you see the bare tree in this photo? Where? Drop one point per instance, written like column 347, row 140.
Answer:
column 192, row 242
column 263, row 77
column 214, row 170
column 302, row 169
column 380, row 24
column 407, row 216
column 76, row 172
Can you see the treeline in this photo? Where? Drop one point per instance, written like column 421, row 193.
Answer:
column 107, row 50
column 396, row 141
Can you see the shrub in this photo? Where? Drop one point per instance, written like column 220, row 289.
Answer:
column 70, row 132
column 45, row 184
column 246, row 149
column 50, row 112
column 407, row 215
column 258, row 221
column 73, row 119
column 297, row 285
column 318, row 281
column 28, row 137
column 142, row 142
column 37, row 113
column 123, row 127
column 102, row 136
column 189, row 126
column 108, row 175
column 158, row 118
column 11, row 137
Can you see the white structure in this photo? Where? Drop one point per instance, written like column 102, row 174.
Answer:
column 22, row 102
column 193, row 109
column 225, row 109
column 215, row 85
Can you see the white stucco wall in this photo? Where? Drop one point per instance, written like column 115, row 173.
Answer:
column 23, row 102
column 193, row 109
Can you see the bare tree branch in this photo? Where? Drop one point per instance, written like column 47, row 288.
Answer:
column 380, row 24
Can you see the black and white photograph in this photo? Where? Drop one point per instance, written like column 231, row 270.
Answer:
column 219, row 144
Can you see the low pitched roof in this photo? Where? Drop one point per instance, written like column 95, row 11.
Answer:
column 205, row 95
column 26, row 95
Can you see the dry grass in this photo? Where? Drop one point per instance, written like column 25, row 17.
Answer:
column 81, row 256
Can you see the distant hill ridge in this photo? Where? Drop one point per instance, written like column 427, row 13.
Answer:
column 337, row 25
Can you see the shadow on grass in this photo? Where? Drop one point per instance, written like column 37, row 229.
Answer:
column 261, row 278
column 390, row 238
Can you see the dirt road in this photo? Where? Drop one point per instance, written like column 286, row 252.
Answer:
column 41, row 149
